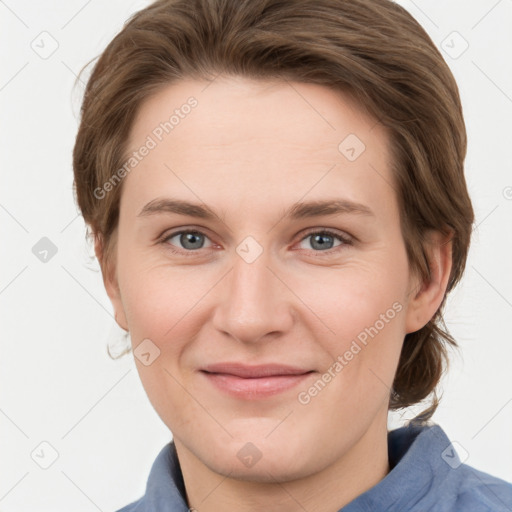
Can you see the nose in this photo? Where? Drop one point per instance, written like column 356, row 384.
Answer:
column 254, row 304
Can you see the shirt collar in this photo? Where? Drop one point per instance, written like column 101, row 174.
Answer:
column 417, row 466
column 165, row 490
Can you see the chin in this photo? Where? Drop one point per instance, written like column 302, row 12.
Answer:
column 270, row 469
column 264, row 460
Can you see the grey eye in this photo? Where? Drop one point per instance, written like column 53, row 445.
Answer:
column 322, row 241
column 189, row 240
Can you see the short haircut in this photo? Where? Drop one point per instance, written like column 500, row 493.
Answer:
column 373, row 50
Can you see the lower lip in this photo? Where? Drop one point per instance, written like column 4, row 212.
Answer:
column 254, row 388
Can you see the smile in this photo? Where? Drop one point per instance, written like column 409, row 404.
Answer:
column 254, row 382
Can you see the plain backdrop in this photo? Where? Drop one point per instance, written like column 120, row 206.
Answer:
column 58, row 385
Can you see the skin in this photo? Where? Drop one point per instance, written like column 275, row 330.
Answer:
column 249, row 150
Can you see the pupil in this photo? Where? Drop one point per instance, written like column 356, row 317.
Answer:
column 191, row 238
column 318, row 239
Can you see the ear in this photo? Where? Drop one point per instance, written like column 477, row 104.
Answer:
column 428, row 295
column 110, row 280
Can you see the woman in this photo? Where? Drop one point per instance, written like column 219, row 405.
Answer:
column 276, row 194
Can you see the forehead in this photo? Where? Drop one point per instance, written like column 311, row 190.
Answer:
column 236, row 136
column 233, row 110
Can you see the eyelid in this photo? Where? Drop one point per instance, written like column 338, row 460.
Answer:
column 342, row 235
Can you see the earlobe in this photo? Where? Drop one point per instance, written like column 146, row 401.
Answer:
column 428, row 296
column 110, row 282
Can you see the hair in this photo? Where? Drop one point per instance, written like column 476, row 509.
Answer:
column 373, row 50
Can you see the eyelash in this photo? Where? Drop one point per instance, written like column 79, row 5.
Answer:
column 344, row 239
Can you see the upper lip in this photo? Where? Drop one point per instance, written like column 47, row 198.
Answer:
column 247, row 371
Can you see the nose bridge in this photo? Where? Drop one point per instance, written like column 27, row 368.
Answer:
column 253, row 304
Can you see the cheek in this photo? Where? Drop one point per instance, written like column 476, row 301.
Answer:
column 364, row 310
column 163, row 305
column 158, row 298
column 355, row 297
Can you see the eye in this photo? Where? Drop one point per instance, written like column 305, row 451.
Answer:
column 322, row 241
column 189, row 240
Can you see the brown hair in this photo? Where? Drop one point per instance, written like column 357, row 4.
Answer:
column 371, row 49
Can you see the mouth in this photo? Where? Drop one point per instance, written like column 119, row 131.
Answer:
column 254, row 382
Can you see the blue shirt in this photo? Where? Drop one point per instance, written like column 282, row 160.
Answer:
column 426, row 475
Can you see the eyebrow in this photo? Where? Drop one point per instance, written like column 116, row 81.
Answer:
column 301, row 210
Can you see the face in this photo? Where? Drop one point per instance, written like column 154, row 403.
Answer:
column 262, row 323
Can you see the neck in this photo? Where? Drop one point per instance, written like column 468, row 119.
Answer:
column 328, row 490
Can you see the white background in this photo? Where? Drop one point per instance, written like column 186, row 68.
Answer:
column 57, row 382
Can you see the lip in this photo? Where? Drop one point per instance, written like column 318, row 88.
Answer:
column 254, row 382
column 255, row 371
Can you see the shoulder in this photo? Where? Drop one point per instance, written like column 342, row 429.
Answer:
column 480, row 492
column 136, row 506
column 429, row 471
column 165, row 490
